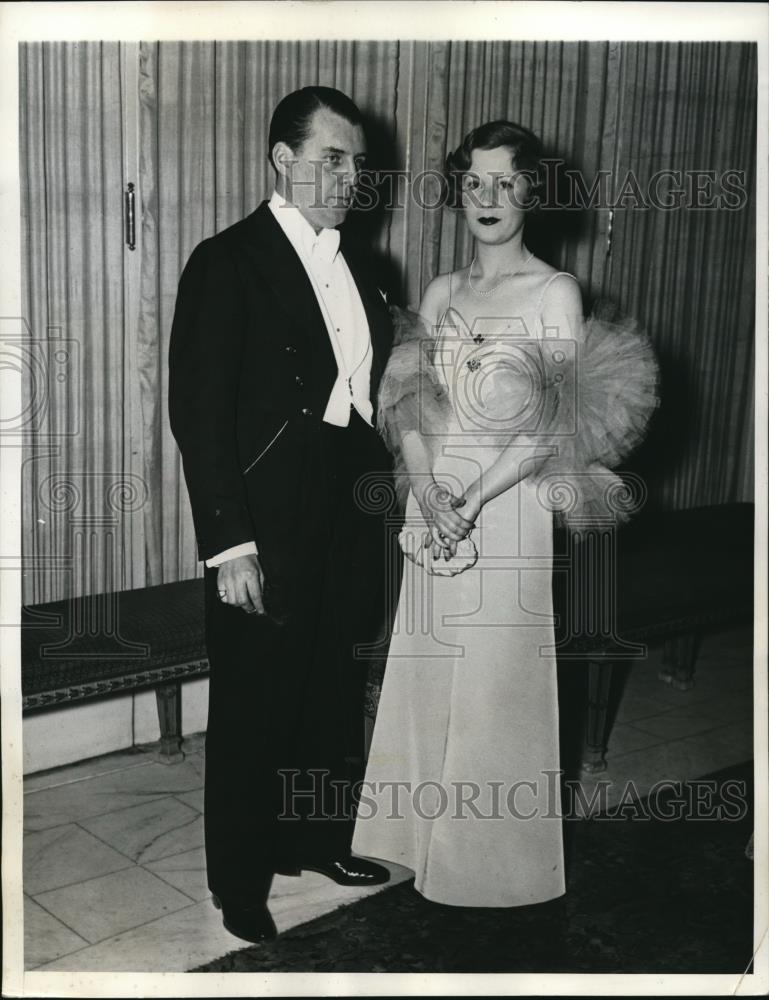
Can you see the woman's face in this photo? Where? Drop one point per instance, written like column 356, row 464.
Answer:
column 494, row 195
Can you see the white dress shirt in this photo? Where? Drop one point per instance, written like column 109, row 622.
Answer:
column 345, row 320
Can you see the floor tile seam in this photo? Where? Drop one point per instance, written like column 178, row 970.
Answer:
column 162, row 879
column 701, row 732
column 661, row 742
column 135, row 861
column 700, row 701
column 695, row 708
column 122, row 770
column 626, row 753
column 146, row 799
column 82, row 881
column 59, row 919
column 649, row 715
column 177, row 795
column 128, row 930
column 106, row 843
column 162, row 857
column 87, row 777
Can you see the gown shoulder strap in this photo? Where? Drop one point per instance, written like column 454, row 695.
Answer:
column 447, row 310
column 550, row 280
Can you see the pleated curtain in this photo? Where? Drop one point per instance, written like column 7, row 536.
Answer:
column 204, row 109
column 82, row 503
column 689, row 274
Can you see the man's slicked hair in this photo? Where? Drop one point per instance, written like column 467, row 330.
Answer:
column 292, row 119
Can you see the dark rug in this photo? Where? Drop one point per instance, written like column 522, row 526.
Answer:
column 644, row 895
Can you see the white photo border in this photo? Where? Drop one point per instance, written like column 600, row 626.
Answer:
column 339, row 19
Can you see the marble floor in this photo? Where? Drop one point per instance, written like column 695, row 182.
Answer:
column 114, row 876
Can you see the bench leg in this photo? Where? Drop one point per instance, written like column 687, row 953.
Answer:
column 169, row 699
column 599, row 682
column 679, row 654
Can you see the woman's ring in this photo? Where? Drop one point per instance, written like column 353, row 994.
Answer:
column 222, row 594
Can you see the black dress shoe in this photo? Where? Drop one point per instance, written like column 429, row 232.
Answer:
column 252, row 923
column 349, row 871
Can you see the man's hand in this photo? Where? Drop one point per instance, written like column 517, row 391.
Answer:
column 242, row 582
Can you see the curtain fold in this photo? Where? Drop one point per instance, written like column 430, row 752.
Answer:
column 79, row 496
column 204, row 110
column 689, row 274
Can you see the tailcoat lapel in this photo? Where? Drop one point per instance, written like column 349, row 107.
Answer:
column 276, row 260
column 272, row 255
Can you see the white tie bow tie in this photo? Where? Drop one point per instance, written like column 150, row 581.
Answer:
column 326, row 245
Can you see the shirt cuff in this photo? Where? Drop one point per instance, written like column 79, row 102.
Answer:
column 245, row 549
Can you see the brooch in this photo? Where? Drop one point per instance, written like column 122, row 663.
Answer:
column 473, row 364
column 479, row 338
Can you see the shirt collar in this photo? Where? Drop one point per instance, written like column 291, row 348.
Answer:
column 300, row 234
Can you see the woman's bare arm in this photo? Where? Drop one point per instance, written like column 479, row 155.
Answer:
column 436, row 503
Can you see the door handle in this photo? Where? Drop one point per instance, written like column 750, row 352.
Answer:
column 130, row 217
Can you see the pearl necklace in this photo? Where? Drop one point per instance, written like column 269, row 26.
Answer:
column 490, row 291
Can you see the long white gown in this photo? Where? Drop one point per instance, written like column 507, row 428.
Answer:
column 468, row 713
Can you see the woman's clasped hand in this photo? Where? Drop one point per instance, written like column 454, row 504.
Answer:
column 447, row 526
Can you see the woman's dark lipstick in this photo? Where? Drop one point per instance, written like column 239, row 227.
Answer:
column 487, row 220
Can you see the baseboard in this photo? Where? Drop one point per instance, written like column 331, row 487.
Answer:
column 71, row 733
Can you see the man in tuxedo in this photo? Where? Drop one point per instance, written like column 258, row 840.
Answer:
column 279, row 340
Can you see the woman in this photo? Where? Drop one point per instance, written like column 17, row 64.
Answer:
column 462, row 782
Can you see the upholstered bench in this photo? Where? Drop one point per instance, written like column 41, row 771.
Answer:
column 668, row 575
column 88, row 647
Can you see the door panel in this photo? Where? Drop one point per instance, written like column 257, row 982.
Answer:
column 82, row 493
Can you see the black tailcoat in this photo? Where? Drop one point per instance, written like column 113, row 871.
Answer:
column 251, row 369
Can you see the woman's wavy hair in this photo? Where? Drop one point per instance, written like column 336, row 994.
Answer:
column 526, row 154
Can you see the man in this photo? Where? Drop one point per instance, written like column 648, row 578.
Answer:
column 279, row 340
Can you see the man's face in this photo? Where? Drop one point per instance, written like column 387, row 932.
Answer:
column 320, row 177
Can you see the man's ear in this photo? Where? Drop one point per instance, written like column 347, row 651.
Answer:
column 282, row 158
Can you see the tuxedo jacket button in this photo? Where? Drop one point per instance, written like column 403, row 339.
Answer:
column 299, row 381
column 290, row 349
column 306, row 411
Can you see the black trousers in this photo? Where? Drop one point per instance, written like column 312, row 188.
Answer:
column 284, row 744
